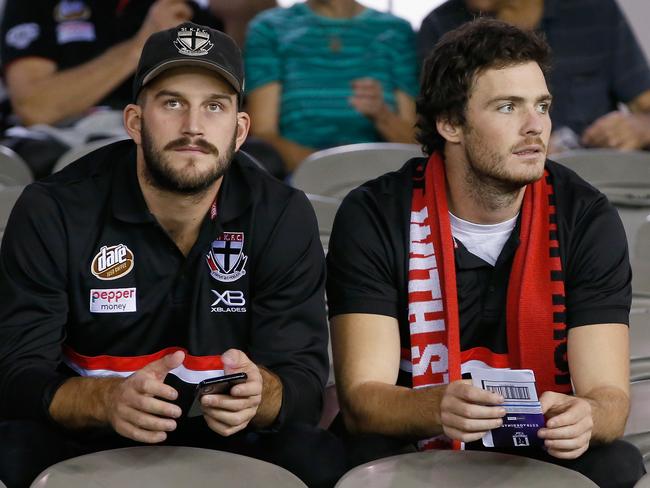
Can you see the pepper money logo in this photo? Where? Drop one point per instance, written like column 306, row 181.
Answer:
column 112, row 262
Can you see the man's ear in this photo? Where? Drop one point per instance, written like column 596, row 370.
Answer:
column 447, row 129
column 132, row 116
column 243, row 125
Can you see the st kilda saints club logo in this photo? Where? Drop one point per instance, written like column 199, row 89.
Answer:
column 193, row 42
column 226, row 258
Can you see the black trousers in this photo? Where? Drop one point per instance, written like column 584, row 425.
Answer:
column 615, row 465
column 314, row 455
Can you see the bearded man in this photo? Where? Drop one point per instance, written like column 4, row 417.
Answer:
column 485, row 255
column 152, row 264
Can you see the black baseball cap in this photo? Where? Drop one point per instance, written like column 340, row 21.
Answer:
column 190, row 44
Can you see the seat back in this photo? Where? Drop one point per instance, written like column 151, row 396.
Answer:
column 13, row 170
column 611, row 169
column 165, row 467
column 641, row 261
column 334, row 172
column 77, row 152
column 325, row 209
column 624, row 176
column 8, row 197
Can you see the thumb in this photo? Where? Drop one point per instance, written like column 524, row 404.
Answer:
column 552, row 402
column 234, row 361
column 164, row 365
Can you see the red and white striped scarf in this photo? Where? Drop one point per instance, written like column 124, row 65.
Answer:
column 535, row 311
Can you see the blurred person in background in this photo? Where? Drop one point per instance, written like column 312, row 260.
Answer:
column 600, row 79
column 324, row 73
column 64, row 58
column 236, row 15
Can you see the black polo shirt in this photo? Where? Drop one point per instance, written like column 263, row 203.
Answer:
column 90, row 279
column 368, row 261
column 73, row 32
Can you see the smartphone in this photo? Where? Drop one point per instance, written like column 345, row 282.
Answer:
column 211, row 386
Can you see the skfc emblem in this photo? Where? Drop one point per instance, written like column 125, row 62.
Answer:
column 193, row 42
column 226, row 258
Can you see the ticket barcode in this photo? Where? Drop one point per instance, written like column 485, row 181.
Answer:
column 510, row 392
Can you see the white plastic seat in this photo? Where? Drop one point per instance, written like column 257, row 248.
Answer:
column 624, row 176
column 77, row 152
column 325, row 209
column 615, row 170
column 637, row 430
column 641, row 261
column 476, row 469
column 334, row 172
column 165, row 467
column 13, row 170
column 8, row 197
column 640, row 328
column 643, row 482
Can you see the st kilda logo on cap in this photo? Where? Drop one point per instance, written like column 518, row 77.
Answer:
column 193, row 42
column 112, row 262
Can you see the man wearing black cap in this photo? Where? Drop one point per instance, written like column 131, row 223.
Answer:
column 143, row 269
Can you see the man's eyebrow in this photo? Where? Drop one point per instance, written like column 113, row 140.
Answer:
column 221, row 96
column 547, row 97
column 175, row 94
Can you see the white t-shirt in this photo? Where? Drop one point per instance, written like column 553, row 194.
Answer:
column 484, row 241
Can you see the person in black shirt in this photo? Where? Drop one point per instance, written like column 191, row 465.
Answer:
column 61, row 58
column 150, row 265
column 483, row 255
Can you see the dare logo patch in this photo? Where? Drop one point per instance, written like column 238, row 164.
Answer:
column 112, row 262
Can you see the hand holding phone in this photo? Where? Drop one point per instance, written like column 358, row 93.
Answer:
column 213, row 386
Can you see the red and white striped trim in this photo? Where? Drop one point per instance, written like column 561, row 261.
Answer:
column 193, row 370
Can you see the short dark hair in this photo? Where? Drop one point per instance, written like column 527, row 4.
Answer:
column 449, row 72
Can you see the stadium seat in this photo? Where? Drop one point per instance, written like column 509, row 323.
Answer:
column 165, row 467
column 77, row 152
column 460, row 468
column 624, row 176
column 8, row 197
column 325, row 209
column 13, row 170
column 641, row 261
column 643, row 482
column 334, row 172
column 640, row 339
column 637, row 430
column 618, row 170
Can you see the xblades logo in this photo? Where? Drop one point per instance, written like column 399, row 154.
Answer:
column 232, row 300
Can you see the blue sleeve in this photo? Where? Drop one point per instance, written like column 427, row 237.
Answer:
column 261, row 56
column 402, row 52
column 631, row 75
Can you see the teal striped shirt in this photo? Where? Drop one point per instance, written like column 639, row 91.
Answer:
column 316, row 58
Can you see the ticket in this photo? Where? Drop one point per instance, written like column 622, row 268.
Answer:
column 524, row 415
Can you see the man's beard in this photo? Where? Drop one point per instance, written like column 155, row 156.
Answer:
column 488, row 167
column 161, row 173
